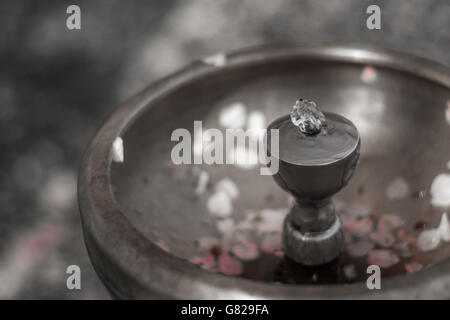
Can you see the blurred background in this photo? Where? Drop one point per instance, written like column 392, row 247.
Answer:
column 57, row 86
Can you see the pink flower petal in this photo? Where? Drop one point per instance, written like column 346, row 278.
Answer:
column 359, row 225
column 413, row 267
column 229, row 265
column 403, row 248
column 271, row 243
column 207, row 242
column 348, row 237
column 271, row 220
column 349, row 271
column 360, row 248
column 246, row 251
column 383, row 258
column 389, row 222
column 163, row 245
column 208, row 261
column 368, row 75
column 402, row 234
column 383, row 239
column 279, row 254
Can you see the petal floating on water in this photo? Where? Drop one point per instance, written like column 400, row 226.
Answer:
column 359, row 225
column 117, row 150
column 246, row 251
column 349, row 271
column 217, row 60
column 383, row 239
column 219, row 205
column 397, row 189
column 360, row 248
column 229, row 187
column 369, row 75
column 271, row 243
column 388, row 222
column 229, row 265
column 444, row 228
column 383, row 258
column 413, row 267
column 429, row 239
column 440, row 190
column 233, row 116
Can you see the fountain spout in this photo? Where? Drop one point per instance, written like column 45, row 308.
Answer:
column 308, row 117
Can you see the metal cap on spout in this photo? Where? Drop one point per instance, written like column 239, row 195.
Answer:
column 318, row 153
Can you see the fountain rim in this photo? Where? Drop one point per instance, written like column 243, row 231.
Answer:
column 111, row 237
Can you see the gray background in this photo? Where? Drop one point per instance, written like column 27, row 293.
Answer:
column 57, row 86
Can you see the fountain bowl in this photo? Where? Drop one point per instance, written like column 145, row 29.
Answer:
column 141, row 219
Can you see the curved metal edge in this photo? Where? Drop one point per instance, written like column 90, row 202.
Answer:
column 275, row 123
column 166, row 275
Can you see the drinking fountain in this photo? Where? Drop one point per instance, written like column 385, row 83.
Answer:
column 362, row 180
column 318, row 154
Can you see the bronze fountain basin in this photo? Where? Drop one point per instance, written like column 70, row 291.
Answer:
column 142, row 220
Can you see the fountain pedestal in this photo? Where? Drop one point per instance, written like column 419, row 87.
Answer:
column 313, row 167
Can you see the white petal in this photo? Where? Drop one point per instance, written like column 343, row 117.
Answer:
column 397, row 189
column 229, row 187
column 440, row 190
column 368, row 75
column 256, row 124
column 219, row 205
column 444, row 228
column 203, row 179
column 117, row 150
column 429, row 239
column 226, row 226
column 233, row 116
column 217, row 60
